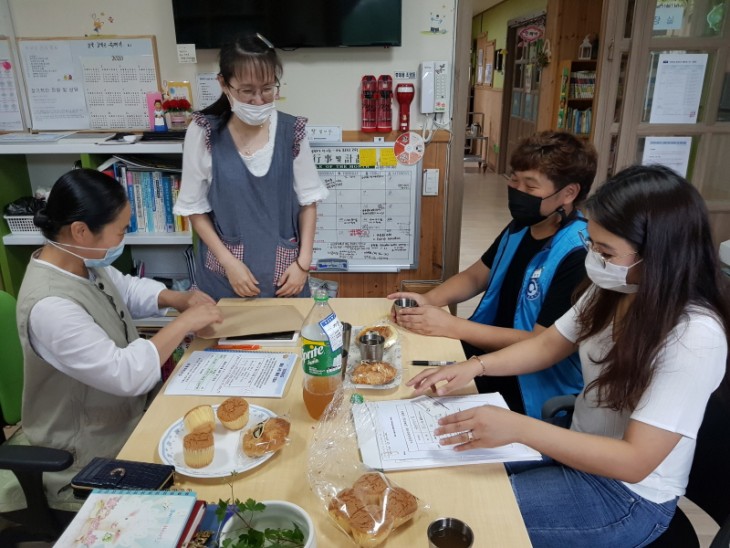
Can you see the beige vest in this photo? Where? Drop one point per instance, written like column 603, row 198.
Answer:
column 59, row 411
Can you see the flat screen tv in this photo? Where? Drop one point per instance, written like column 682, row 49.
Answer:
column 289, row 23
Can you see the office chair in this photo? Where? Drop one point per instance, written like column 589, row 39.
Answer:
column 37, row 520
column 709, row 477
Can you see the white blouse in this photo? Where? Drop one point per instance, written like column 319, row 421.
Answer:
column 198, row 166
column 81, row 349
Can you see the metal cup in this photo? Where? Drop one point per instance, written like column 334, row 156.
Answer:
column 404, row 303
column 449, row 533
column 371, row 346
column 346, row 332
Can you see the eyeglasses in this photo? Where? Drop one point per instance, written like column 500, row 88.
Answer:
column 605, row 258
column 120, row 313
column 267, row 93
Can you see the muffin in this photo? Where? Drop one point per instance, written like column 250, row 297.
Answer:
column 198, row 449
column 199, row 419
column 233, row 413
column 266, row 437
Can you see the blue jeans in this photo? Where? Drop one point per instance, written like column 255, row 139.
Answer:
column 563, row 507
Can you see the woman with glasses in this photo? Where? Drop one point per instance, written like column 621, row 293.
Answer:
column 249, row 183
column 651, row 331
column 87, row 374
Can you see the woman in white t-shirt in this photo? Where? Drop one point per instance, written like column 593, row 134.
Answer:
column 651, row 331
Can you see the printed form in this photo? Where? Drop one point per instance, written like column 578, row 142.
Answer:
column 221, row 373
column 398, row 434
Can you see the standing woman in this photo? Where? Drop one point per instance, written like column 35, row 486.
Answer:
column 652, row 333
column 87, row 374
column 249, row 183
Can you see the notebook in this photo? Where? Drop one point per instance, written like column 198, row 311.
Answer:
column 144, row 519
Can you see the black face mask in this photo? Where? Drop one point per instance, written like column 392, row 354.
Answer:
column 525, row 208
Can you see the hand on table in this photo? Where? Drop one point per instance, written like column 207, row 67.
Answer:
column 241, row 280
column 292, row 281
column 485, row 426
column 456, row 376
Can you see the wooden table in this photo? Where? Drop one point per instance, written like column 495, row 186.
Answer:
column 480, row 494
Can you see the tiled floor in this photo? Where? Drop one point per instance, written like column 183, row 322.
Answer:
column 485, row 214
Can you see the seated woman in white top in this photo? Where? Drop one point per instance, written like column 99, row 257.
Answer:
column 651, row 331
column 87, row 372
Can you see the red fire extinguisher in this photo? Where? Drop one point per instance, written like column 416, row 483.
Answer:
column 384, row 108
column 368, row 91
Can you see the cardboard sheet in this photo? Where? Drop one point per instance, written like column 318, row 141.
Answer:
column 251, row 320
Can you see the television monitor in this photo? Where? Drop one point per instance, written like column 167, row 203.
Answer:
column 289, row 23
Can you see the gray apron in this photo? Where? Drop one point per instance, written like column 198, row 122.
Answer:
column 256, row 218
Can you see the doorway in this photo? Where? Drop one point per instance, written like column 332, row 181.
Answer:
column 521, row 99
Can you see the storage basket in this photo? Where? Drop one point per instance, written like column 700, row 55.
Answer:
column 21, row 223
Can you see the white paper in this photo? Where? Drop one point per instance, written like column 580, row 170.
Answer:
column 209, row 90
column 672, row 152
column 669, row 15
column 186, row 54
column 398, row 434
column 10, row 117
column 678, row 88
column 225, row 373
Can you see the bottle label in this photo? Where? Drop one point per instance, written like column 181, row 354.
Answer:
column 333, row 328
column 319, row 360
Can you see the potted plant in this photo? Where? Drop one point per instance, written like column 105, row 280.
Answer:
column 176, row 110
column 268, row 524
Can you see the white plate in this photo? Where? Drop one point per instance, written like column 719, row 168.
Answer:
column 391, row 354
column 229, row 457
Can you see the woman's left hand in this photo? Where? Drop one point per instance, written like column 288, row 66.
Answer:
column 292, row 281
column 485, row 426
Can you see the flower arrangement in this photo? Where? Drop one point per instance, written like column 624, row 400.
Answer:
column 176, row 105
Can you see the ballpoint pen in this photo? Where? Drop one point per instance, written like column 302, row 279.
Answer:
column 426, row 362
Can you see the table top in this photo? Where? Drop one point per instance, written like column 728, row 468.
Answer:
column 479, row 495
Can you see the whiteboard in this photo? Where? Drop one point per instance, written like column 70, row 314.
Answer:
column 10, row 116
column 371, row 217
column 89, row 83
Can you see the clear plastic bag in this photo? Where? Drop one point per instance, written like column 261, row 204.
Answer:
column 366, row 504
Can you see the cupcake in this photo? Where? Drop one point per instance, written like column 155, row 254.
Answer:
column 198, row 449
column 200, row 419
column 233, row 413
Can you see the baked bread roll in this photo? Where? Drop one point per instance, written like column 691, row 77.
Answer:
column 373, row 373
column 345, row 504
column 370, row 527
column 198, row 449
column 372, row 484
column 233, row 413
column 199, row 419
column 400, row 505
column 266, row 437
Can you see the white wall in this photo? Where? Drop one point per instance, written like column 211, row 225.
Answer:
column 320, row 83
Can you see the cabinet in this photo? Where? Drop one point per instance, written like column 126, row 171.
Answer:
column 577, row 81
column 475, row 142
column 25, row 167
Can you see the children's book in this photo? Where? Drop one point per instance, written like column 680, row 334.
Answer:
column 144, row 519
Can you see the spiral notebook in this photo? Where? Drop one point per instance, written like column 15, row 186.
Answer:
column 144, row 519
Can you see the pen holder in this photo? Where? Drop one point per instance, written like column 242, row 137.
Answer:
column 371, row 347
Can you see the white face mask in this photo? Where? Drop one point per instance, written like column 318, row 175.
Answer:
column 112, row 253
column 612, row 277
column 253, row 115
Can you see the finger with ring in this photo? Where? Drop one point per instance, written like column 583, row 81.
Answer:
column 470, row 435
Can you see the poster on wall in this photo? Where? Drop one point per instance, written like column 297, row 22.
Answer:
column 678, row 88
column 10, row 117
column 672, row 152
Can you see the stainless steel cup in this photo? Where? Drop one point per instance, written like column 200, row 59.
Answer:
column 404, row 303
column 449, row 533
column 371, row 347
column 346, row 332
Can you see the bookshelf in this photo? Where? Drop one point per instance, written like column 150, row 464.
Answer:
column 26, row 167
column 576, row 92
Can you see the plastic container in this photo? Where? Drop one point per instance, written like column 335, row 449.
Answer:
column 21, row 223
column 321, row 355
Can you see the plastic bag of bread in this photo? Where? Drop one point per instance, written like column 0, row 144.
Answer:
column 267, row 436
column 365, row 504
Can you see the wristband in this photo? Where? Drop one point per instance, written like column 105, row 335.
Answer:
column 484, row 367
column 300, row 266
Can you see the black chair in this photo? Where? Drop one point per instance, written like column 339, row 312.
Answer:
column 709, row 478
column 37, row 521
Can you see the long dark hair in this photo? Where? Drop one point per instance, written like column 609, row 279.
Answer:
column 81, row 195
column 665, row 219
column 249, row 53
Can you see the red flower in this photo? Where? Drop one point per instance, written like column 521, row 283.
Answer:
column 176, row 105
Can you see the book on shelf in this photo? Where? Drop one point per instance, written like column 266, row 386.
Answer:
column 145, row 519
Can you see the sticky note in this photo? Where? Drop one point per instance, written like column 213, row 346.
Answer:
column 387, row 157
column 367, row 157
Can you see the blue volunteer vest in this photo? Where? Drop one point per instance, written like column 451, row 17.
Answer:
column 565, row 377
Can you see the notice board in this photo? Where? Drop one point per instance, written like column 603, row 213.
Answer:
column 371, row 217
column 89, row 83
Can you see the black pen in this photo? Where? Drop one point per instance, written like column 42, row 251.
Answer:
column 426, row 362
